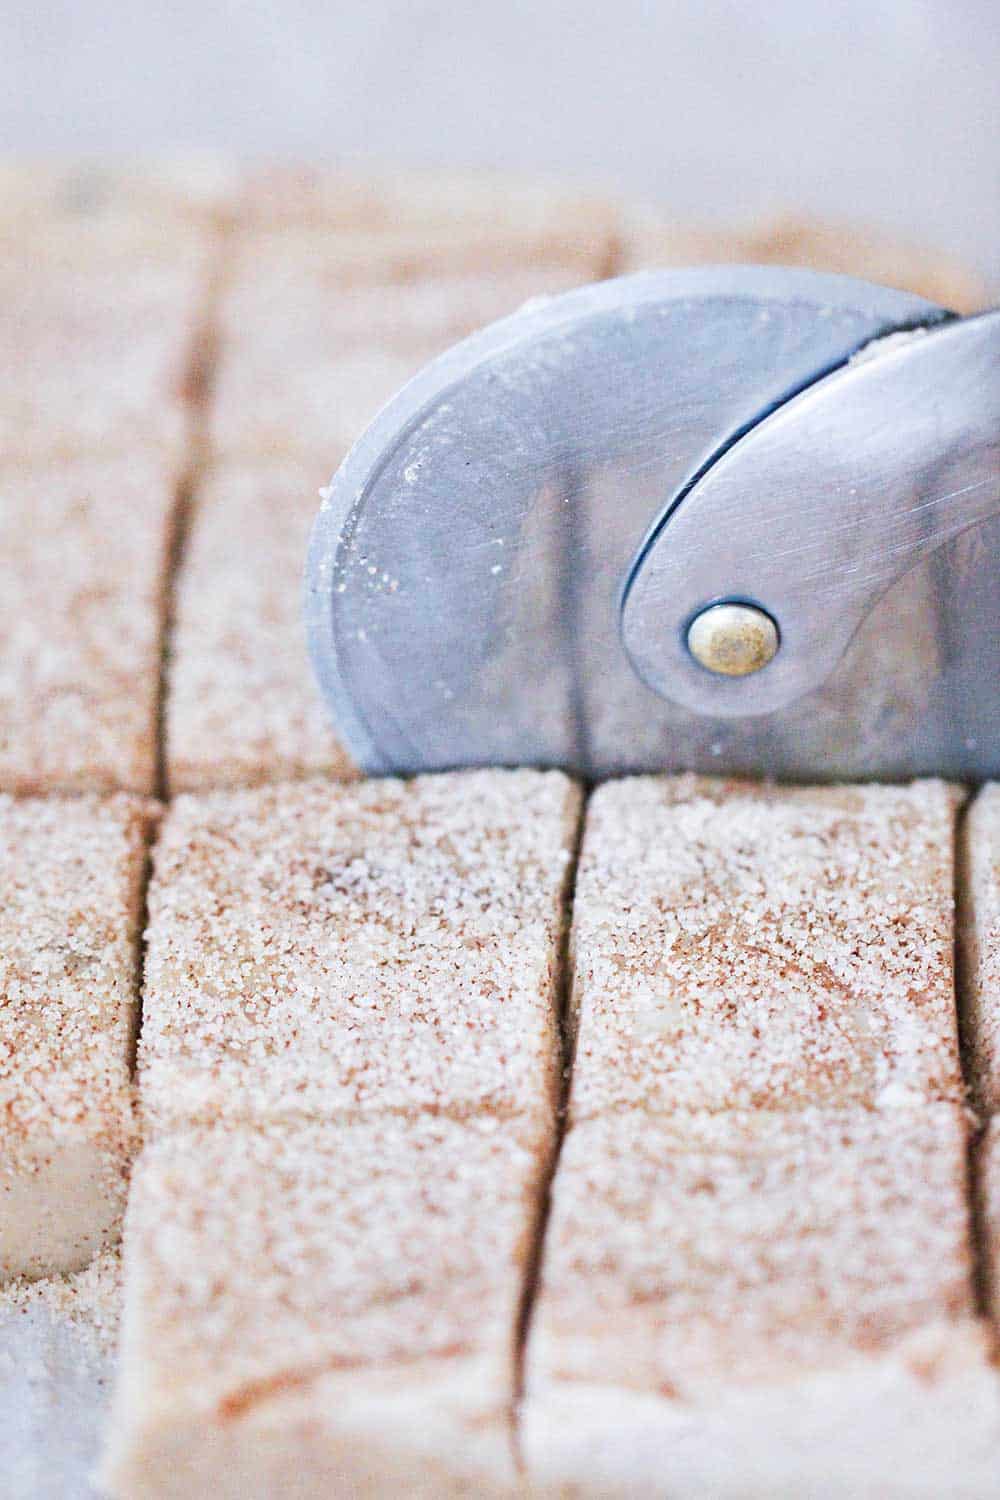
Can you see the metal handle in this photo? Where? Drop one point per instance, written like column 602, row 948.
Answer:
column 465, row 581
column 817, row 510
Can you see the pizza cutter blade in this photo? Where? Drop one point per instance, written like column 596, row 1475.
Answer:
column 676, row 521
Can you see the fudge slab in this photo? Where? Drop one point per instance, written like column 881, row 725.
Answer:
column 745, row 946
column 72, row 873
column 104, row 332
column 242, row 706
column 979, row 944
column 316, row 950
column 85, row 546
column 323, row 1309
column 760, row 1303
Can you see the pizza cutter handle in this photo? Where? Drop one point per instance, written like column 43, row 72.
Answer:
column 748, row 594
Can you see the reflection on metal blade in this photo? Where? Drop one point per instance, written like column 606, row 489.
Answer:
column 465, row 573
column 54, row 1385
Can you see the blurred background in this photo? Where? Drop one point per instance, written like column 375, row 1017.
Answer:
column 885, row 114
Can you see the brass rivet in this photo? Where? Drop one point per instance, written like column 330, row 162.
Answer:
column 733, row 640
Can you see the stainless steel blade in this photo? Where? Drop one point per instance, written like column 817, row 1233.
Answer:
column 466, row 569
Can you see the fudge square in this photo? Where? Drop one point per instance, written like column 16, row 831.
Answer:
column 95, row 196
column 242, row 707
column 289, row 286
column 292, row 285
column 311, row 345
column 744, row 946
column 761, row 1303
column 85, row 544
column 265, row 407
column 323, row 1308
column 71, row 871
column 104, row 330
column 318, row 950
column 425, row 204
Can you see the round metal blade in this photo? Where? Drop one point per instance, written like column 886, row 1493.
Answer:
column 465, row 572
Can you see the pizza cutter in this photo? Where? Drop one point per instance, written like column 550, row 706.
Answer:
column 737, row 520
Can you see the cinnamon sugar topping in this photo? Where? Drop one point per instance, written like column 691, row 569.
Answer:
column 739, row 946
column 317, row 950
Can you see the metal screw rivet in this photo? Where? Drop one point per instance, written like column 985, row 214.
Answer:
column 733, row 640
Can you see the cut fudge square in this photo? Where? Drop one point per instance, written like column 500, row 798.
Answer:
column 85, row 545
column 757, row 1304
column 323, row 1308
column 741, row 946
column 290, row 287
column 426, row 223
column 490, row 199
column 51, row 252
column 72, row 877
column 56, row 281
column 317, row 197
column 103, row 337
column 311, row 347
column 242, row 706
column 405, row 254
column 88, row 196
column 979, row 939
column 288, row 196
column 427, row 315
column 316, row 949
column 697, row 1251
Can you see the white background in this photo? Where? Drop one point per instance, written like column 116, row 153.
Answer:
column 882, row 112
